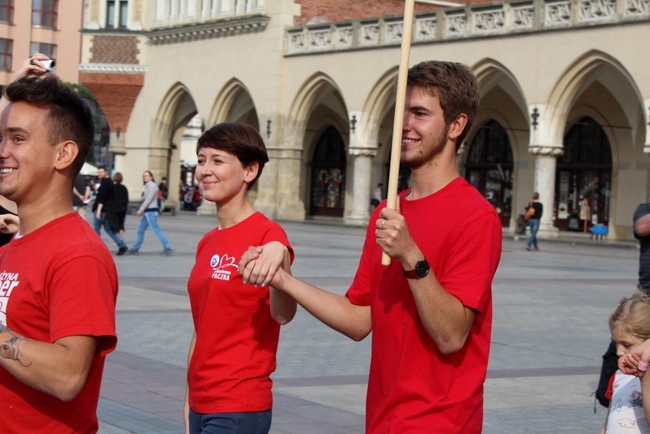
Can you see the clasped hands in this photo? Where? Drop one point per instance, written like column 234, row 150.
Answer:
column 262, row 265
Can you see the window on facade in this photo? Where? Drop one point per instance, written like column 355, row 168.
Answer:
column 48, row 49
column 124, row 14
column 7, row 11
column 110, row 13
column 117, row 13
column 6, row 48
column 44, row 13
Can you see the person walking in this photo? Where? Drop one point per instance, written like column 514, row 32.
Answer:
column 149, row 211
column 430, row 310
column 102, row 208
column 59, row 282
column 119, row 205
column 80, row 193
column 533, row 221
column 237, row 327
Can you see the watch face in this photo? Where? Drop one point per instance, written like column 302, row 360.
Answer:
column 422, row 269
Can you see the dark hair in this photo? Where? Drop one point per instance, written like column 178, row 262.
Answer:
column 454, row 84
column 117, row 178
column 69, row 118
column 241, row 140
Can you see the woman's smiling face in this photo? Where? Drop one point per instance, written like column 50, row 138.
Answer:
column 221, row 175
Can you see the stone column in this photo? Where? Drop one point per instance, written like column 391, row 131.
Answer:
column 289, row 206
column 646, row 146
column 545, row 145
column 361, row 185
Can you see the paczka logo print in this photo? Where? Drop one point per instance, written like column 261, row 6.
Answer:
column 222, row 266
column 8, row 281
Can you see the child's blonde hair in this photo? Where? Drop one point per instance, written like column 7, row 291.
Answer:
column 633, row 316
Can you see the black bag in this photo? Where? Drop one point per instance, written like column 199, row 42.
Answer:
column 608, row 368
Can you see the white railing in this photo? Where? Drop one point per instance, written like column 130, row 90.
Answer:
column 471, row 21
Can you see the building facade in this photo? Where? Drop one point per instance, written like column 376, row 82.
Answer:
column 32, row 26
column 565, row 97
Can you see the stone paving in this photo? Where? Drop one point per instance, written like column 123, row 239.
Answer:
column 550, row 330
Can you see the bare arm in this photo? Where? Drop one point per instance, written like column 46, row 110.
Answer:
column 283, row 306
column 59, row 369
column 446, row 320
column 334, row 310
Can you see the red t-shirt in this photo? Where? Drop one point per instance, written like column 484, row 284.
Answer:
column 412, row 386
column 57, row 281
column 236, row 337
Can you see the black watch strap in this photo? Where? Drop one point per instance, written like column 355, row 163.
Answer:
column 421, row 270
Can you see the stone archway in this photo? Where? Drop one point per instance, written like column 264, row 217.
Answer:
column 583, row 178
column 489, row 166
column 328, row 175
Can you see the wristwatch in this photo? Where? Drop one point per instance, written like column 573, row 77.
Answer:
column 421, row 269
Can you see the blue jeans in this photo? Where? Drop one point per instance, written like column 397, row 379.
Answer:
column 534, row 227
column 103, row 222
column 150, row 219
column 257, row 422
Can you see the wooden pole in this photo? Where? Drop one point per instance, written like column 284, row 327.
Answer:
column 400, row 99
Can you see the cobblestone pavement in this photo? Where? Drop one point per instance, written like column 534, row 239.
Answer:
column 550, row 330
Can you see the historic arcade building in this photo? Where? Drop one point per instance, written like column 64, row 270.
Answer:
column 565, row 97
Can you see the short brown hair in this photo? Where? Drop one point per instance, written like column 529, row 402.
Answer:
column 454, row 84
column 241, row 140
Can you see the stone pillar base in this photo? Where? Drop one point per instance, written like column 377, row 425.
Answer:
column 548, row 232
column 356, row 221
column 207, row 208
column 294, row 210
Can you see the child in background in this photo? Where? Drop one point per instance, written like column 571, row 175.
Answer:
column 629, row 324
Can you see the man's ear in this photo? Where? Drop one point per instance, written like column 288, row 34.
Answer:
column 66, row 155
column 457, row 126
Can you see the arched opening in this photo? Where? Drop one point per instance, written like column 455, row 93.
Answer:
column 489, row 168
column 583, row 178
column 328, row 170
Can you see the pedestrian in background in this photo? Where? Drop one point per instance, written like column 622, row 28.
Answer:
column 119, row 205
column 236, row 326
column 163, row 193
column 102, row 208
column 149, row 212
column 80, row 193
column 533, row 221
column 377, row 195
